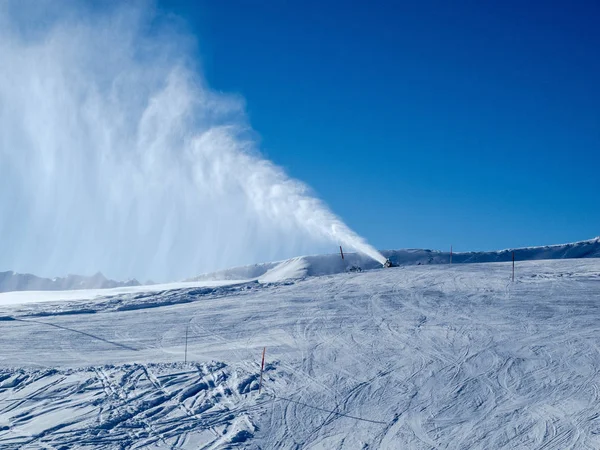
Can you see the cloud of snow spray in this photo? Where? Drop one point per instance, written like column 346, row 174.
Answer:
column 116, row 156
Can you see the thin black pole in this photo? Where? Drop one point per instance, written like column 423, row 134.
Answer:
column 186, row 339
column 513, row 274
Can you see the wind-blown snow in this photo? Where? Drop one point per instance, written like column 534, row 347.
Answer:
column 116, row 156
column 420, row 356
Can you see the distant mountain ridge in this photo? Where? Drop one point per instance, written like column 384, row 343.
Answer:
column 11, row 281
column 305, row 266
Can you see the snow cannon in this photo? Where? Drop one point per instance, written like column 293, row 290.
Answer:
column 388, row 263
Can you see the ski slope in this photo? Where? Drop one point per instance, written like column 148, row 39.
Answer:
column 437, row 356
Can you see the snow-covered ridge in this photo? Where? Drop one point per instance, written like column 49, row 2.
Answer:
column 582, row 249
column 316, row 265
column 11, row 281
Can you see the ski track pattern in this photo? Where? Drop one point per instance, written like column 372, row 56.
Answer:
column 130, row 406
column 424, row 357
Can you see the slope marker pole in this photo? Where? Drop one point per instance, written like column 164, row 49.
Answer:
column 262, row 366
column 341, row 252
column 186, row 339
column 513, row 269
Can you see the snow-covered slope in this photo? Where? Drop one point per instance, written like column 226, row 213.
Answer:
column 11, row 281
column 317, row 265
column 420, row 356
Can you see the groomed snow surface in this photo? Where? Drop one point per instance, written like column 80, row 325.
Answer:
column 421, row 356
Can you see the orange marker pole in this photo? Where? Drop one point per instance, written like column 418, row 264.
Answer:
column 262, row 366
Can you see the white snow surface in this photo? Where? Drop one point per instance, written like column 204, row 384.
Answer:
column 419, row 356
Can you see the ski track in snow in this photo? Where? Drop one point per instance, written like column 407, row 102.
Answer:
column 425, row 357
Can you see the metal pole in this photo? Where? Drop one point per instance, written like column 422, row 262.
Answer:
column 186, row 339
column 341, row 252
column 513, row 272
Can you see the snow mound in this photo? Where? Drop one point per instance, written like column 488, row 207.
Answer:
column 295, row 268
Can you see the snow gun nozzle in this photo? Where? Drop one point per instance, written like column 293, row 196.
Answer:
column 388, row 263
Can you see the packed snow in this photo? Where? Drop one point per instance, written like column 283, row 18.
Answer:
column 419, row 356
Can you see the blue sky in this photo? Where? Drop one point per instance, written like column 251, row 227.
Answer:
column 422, row 125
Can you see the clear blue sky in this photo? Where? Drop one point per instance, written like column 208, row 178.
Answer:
column 422, row 124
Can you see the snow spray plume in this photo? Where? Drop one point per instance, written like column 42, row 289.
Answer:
column 116, row 156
